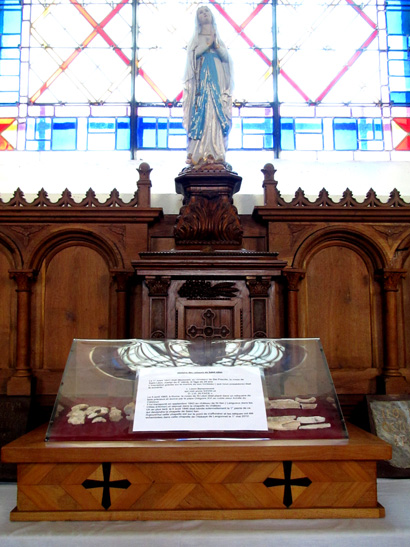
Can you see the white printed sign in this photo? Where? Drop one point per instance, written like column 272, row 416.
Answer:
column 200, row 399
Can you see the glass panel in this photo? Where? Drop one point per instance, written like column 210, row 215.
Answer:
column 123, row 133
column 77, row 56
column 345, row 131
column 317, row 42
column 64, row 134
column 96, row 399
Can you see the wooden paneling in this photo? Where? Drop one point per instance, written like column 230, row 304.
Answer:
column 76, row 301
column 107, row 270
column 405, row 322
column 7, row 319
column 339, row 306
column 174, row 480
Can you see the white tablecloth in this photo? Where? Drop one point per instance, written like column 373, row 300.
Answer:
column 391, row 531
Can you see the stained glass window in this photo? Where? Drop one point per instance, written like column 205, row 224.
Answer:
column 313, row 76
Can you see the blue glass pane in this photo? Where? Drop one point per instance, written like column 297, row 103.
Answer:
column 398, row 17
column 42, row 146
column 378, row 130
column 123, row 134
column 287, row 134
column 345, row 134
column 365, row 129
column 10, row 21
column 268, row 142
column 257, row 125
column 400, row 98
column 175, row 127
column 103, row 125
column 146, row 132
column 308, row 126
column 64, row 134
column 162, row 132
column 43, row 128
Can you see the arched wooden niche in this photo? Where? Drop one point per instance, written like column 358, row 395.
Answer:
column 341, row 304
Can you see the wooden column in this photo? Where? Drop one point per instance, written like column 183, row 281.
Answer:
column 21, row 381
column 158, row 310
column 258, row 287
column 392, row 380
column 121, row 278
column 293, row 278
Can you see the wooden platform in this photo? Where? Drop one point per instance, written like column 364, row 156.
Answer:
column 195, row 480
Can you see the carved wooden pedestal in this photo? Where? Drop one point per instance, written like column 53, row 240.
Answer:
column 208, row 217
column 195, row 480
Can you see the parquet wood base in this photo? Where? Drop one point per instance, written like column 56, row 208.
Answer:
column 195, row 480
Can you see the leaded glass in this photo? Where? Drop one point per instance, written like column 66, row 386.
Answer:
column 107, row 74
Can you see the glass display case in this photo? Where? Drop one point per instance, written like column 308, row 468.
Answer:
column 99, row 389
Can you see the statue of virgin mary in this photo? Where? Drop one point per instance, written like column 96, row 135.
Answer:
column 207, row 99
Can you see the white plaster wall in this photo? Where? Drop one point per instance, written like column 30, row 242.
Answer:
column 79, row 171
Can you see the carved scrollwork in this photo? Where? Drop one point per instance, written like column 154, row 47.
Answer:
column 391, row 279
column 208, row 219
column 158, row 285
column 293, row 278
column 200, row 289
column 258, row 286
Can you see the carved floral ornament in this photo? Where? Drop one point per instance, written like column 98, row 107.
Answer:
column 66, row 200
column 201, row 289
column 158, row 285
column 273, row 197
column 23, row 278
column 347, row 200
column 392, row 278
column 293, row 278
column 258, row 286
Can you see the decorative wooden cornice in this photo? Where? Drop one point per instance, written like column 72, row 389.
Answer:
column 347, row 208
column 66, row 200
column 89, row 209
column 197, row 264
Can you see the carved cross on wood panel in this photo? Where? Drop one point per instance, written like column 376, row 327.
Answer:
column 208, row 329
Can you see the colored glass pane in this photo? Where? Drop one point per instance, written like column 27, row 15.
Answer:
column 345, row 131
column 123, row 134
column 71, row 58
column 64, row 132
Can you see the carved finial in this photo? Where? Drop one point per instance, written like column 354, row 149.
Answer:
column 269, row 185
column 144, row 171
column 269, row 172
column 144, row 185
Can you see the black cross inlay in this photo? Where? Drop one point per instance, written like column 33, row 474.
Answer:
column 287, row 482
column 106, row 484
